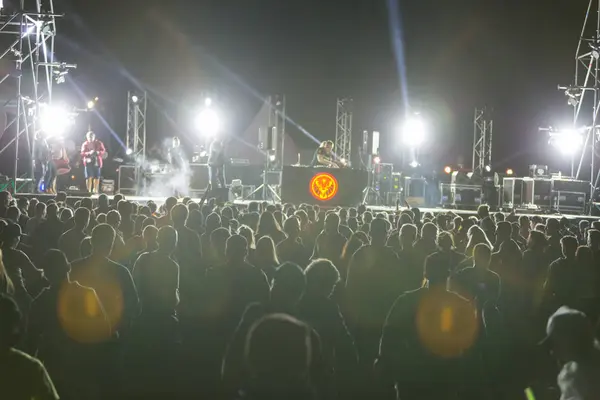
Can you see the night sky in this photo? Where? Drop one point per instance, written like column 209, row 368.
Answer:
column 509, row 55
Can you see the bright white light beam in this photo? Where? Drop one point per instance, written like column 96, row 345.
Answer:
column 55, row 120
column 208, row 122
column 413, row 132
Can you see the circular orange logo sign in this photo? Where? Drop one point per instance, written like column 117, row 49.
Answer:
column 323, row 186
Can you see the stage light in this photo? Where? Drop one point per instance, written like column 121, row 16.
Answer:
column 488, row 168
column 510, row 171
column 414, row 164
column 91, row 104
column 413, row 132
column 567, row 141
column 272, row 157
column 376, row 160
column 54, row 120
column 208, row 102
column 208, row 122
column 135, row 99
column 448, row 170
column 129, row 152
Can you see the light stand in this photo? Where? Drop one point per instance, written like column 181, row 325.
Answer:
column 370, row 189
column 265, row 186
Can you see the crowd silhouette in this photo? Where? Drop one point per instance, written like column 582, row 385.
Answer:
column 111, row 299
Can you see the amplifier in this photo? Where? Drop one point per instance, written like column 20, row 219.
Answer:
column 570, row 185
column 568, row 201
column 415, row 187
column 383, row 175
column 466, row 195
column 127, row 179
column 108, row 186
column 538, row 192
column 512, row 192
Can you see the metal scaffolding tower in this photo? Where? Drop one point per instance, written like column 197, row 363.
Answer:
column 482, row 140
column 29, row 38
column 135, row 137
column 343, row 130
column 584, row 93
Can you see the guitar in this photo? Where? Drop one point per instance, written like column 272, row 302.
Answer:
column 62, row 164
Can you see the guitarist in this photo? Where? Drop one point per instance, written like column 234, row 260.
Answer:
column 58, row 165
column 92, row 151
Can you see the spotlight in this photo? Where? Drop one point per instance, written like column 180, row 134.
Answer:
column 448, row 170
column 208, row 102
column 54, row 120
column 567, row 141
column 208, row 122
column 129, row 152
column 510, row 171
column 135, row 99
column 413, row 132
column 488, row 168
column 414, row 164
column 91, row 104
column 272, row 157
column 376, row 160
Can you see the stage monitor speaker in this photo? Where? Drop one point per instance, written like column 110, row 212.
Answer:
column 267, row 138
column 460, row 178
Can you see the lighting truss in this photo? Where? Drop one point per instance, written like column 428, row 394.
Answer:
column 28, row 37
column 137, row 104
column 343, row 129
column 135, row 137
column 482, row 140
column 584, row 94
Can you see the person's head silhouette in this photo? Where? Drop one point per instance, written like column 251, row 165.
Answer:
column 103, row 238
column 167, row 240
column 236, row 248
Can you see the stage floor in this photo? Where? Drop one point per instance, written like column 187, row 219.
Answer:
column 160, row 200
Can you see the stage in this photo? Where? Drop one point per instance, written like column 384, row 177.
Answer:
column 72, row 199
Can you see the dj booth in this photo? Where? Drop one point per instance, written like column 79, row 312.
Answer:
column 323, row 186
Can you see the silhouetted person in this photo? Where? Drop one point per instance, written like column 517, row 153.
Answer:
column 425, row 336
column 477, row 283
column 65, row 321
column 324, row 316
column 330, row 242
column 268, row 226
column 48, row 232
column 156, row 276
column 292, row 249
column 570, row 339
column 265, row 257
column 409, row 259
column 374, row 281
column 564, row 280
column 23, row 377
column 278, row 357
column 70, row 241
column 111, row 281
column 26, row 278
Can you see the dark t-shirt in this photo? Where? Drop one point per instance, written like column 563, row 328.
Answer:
column 70, row 243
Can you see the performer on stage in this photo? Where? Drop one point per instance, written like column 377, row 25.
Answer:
column 216, row 163
column 57, row 165
column 40, row 162
column 92, row 151
column 175, row 156
column 324, row 156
